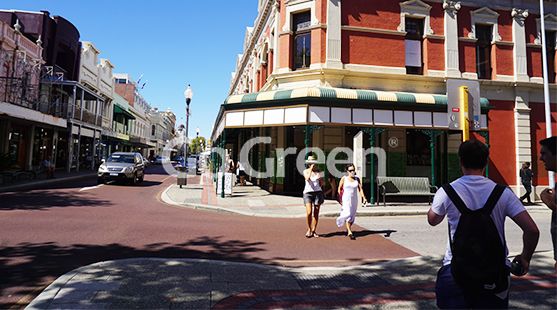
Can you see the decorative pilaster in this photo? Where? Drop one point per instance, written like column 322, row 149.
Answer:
column 333, row 59
column 523, row 138
column 451, row 38
column 519, row 51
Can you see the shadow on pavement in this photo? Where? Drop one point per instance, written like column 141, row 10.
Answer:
column 145, row 183
column 358, row 233
column 30, row 266
column 45, row 199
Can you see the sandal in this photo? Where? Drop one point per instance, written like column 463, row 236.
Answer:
column 309, row 234
column 352, row 237
column 314, row 234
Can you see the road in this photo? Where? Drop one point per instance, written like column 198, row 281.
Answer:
column 47, row 232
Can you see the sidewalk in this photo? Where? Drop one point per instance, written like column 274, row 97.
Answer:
column 254, row 201
column 59, row 176
column 205, row 284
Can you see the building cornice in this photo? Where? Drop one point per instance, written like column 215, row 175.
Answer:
column 374, row 30
column 255, row 34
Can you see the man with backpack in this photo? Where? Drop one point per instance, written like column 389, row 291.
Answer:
column 475, row 272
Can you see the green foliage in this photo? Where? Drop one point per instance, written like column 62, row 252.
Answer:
column 197, row 145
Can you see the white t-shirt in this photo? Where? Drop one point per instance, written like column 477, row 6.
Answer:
column 474, row 191
column 312, row 185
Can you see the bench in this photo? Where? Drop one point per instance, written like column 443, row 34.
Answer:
column 405, row 186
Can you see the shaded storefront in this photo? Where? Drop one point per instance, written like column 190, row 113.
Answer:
column 411, row 129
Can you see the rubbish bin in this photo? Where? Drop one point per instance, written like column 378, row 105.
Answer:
column 182, row 175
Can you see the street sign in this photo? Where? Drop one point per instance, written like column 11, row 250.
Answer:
column 228, row 181
column 453, row 103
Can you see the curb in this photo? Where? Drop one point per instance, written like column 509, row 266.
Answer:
column 166, row 199
column 365, row 212
column 43, row 182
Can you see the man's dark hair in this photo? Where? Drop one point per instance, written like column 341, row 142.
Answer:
column 550, row 144
column 473, row 154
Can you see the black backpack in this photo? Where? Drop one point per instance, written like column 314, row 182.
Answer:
column 479, row 261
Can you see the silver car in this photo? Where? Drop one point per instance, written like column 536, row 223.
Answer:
column 122, row 167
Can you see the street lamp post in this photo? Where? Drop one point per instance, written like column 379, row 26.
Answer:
column 188, row 94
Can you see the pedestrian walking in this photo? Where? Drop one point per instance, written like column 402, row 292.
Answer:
column 313, row 195
column 475, row 271
column 241, row 173
column 548, row 156
column 526, row 180
column 349, row 187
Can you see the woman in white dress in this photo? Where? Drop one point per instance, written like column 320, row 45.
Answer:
column 350, row 186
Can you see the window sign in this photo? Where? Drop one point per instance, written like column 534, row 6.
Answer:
column 413, row 53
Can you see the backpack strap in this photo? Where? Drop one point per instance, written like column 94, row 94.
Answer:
column 493, row 198
column 455, row 198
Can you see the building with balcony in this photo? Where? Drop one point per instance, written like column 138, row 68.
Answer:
column 29, row 130
column 139, row 126
column 360, row 74
column 162, row 129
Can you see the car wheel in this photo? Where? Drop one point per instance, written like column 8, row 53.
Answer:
column 134, row 180
column 141, row 178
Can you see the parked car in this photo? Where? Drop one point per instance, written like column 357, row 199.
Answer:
column 122, row 166
column 159, row 160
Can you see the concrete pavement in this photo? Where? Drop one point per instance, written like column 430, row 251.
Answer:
column 254, row 201
column 209, row 284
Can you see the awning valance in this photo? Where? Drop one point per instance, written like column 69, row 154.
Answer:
column 344, row 93
column 119, row 110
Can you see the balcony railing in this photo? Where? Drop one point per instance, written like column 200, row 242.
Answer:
column 19, row 91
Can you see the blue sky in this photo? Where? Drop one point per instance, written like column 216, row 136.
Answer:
column 170, row 42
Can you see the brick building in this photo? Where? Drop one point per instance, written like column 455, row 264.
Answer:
column 317, row 73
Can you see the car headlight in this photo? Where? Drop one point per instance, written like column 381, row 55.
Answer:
column 128, row 170
column 102, row 168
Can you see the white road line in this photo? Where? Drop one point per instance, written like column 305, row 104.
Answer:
column 90, row 187
column 168, row 177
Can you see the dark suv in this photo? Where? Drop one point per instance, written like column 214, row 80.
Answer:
column 122, row 166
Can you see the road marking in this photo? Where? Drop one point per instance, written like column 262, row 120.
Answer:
column 168, row 177
column 91, row 187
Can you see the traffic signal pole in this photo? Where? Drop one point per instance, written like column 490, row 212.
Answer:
column 464, row 117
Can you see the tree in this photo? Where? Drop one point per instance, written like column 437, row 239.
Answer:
column 197, row 145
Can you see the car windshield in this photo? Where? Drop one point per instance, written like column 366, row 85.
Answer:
column 129, row 159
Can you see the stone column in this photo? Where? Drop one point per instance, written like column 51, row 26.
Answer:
column 451, row 39
column 30, row 144
column 334, row 32
column 4, row 136
column 523, row 142
column 519, row 51
column 54, row 147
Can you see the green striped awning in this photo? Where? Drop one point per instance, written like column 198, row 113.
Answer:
column 119, row 110
column 343, row 93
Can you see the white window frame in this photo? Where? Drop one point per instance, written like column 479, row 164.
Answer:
column 294, row 7
column 417, row 9
column 485, row 16
column 550, row 25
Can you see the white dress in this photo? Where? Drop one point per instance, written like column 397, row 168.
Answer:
column 349, row 202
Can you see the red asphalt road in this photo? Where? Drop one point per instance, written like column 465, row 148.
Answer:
column 48, row 232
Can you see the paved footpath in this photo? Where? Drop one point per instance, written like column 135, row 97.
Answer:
column 254, row 201
column 204, row 284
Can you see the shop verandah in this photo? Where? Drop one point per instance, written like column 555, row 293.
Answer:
column 412, row 129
